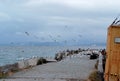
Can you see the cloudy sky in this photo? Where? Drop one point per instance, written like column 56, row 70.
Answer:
column 56, row 20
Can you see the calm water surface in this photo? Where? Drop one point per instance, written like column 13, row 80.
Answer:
column 12, row 54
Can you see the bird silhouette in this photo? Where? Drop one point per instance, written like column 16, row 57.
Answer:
column 27, row 33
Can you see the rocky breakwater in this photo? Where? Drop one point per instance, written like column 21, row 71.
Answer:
column 92, row 53
column 9, row 69
column 74, row 57
column 73, row 67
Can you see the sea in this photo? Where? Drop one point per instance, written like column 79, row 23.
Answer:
column 12, row 54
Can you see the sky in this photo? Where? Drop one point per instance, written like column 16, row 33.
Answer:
column 83, row 21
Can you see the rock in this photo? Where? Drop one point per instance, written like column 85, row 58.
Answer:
column 41, row 61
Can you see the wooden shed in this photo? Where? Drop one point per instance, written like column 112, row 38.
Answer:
column 112, row 68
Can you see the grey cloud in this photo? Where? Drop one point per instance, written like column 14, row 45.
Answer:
column 67, row 18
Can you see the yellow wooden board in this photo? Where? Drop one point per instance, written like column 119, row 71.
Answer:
column 112, row 69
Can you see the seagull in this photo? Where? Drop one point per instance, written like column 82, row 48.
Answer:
column 74, row 40
column 11, row 43
column 36, row 37
column 50, row 36
column 42, row 38
column 80, row 35
column 66, row 26
column 65, row 41
column 58, row 36
column 54, row 40
column 27, row 33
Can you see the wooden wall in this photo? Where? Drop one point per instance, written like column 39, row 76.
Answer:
column 112, row 69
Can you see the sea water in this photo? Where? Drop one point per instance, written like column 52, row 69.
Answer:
column 12, row 54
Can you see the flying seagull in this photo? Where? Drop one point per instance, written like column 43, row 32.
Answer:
column 80, row 35
column 27, row 33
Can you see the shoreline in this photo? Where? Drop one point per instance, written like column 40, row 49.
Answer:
column 18, row 53
column 30, row 63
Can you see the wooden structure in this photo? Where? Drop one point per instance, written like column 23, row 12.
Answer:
column 112, row 68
